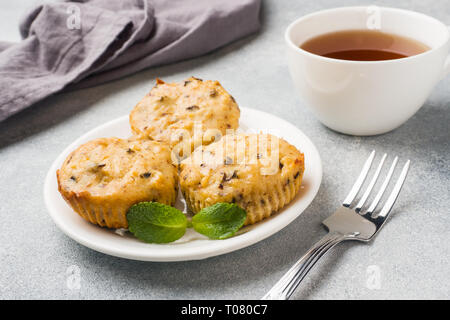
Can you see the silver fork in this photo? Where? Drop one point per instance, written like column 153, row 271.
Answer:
column 347, row 223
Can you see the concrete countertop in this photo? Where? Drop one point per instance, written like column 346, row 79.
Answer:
column 409, row 259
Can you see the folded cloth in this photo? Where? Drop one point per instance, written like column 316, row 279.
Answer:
column 87, row 42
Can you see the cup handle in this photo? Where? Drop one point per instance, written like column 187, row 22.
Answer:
column 447, row 66
column 447, row 63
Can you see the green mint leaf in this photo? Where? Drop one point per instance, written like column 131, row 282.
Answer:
column 219, row 221
column 155, row 222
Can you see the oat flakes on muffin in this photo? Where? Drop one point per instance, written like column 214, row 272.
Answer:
column 245, row 169
column 104, row 177
column 171, row 109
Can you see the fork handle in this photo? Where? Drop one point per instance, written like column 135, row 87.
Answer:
column 284, row 288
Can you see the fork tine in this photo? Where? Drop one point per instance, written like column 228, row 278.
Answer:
column 395, row 192
column 358, row 183
column 375, row 202
column 370, row 186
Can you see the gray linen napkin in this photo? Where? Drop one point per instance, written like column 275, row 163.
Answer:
column 77, row 44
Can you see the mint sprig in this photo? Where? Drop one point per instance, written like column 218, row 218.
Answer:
column 155, row 222
column 219, row 221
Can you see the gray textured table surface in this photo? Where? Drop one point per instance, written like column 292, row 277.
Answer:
column 410, row 258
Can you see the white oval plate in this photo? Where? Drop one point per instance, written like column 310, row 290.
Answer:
column 192, row 245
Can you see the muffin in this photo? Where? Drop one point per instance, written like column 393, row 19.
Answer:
column 171, row 112
column 260, row 173
column 104, row 177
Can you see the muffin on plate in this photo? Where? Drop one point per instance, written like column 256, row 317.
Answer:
column 104, row 177
column 260, row 173
column 192, row 112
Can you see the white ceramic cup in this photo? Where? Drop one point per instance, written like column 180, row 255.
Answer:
column 367, row 97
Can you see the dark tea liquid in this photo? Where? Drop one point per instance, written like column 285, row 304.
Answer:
column 363, row 45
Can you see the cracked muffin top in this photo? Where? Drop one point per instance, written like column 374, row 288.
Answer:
column 104, row 177
column 106, row 166
column 261, row 173
column 171, row 112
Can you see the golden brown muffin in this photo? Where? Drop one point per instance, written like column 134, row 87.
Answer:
column 104, row 177
column 260, row 173
column 173, row 110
